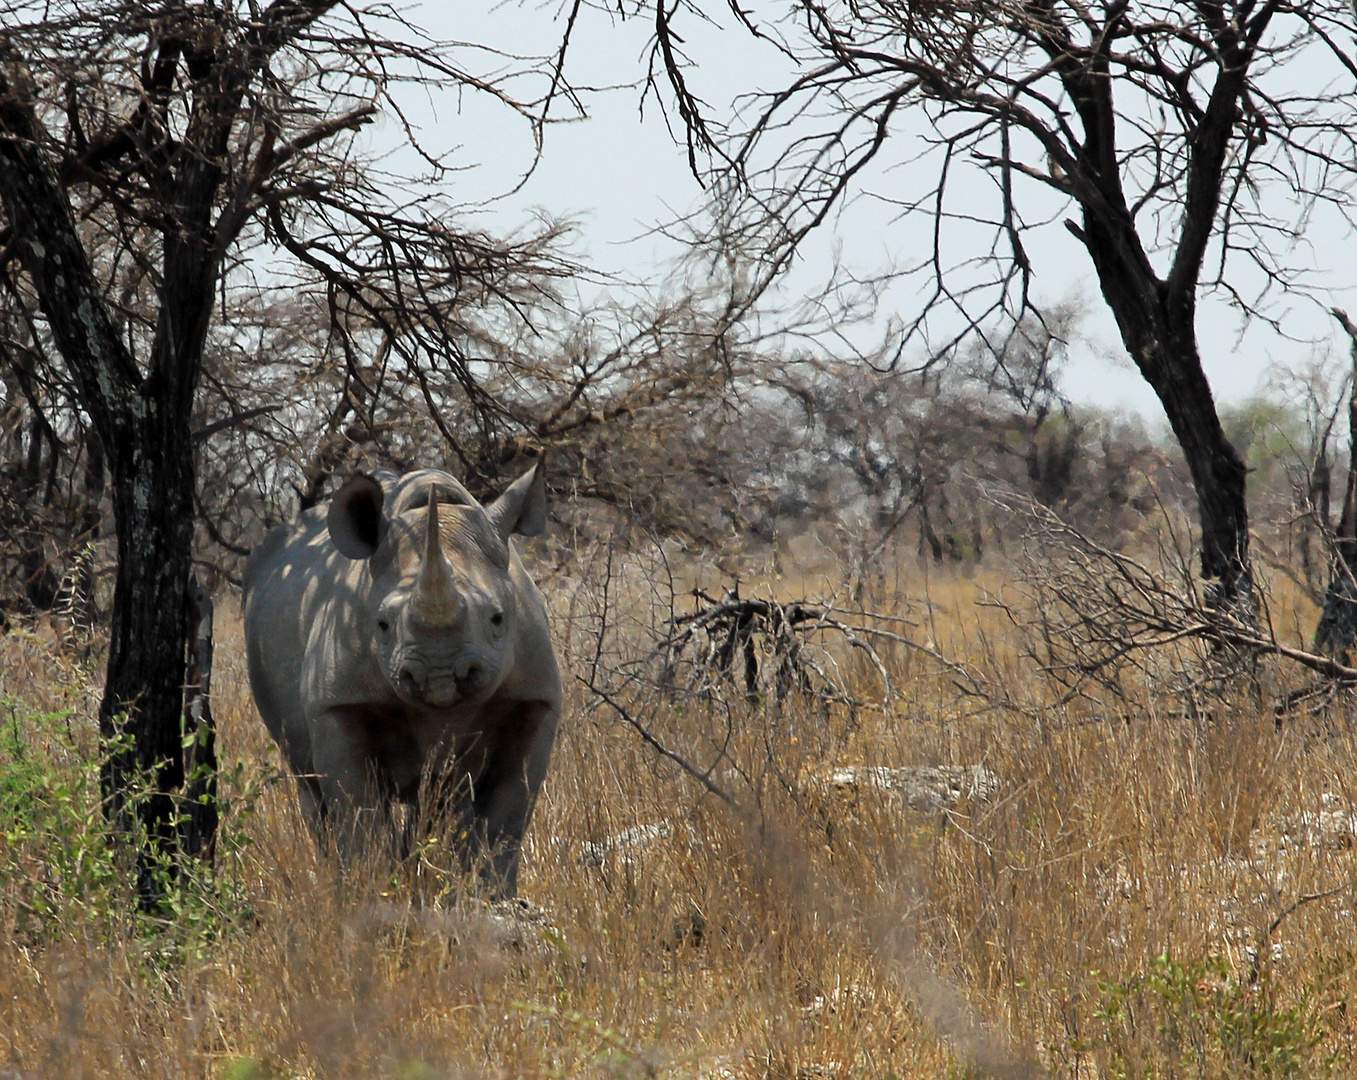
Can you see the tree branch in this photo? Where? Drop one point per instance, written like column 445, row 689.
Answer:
column 51, row 251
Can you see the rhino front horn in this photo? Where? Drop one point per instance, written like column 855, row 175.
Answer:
column 436, row 597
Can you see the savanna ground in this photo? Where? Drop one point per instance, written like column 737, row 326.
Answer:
column 1160, row 884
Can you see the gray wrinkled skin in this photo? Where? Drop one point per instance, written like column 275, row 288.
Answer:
column 390, row 641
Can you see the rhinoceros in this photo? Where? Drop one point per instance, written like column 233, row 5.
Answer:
column 394, row 637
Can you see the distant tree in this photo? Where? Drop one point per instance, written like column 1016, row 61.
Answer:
column 1021, row 367
column 158, row 161
column 922, row 446
column 1193, row 139
column 1337, row 630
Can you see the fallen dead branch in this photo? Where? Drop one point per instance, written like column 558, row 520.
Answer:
column 773, row 649
column 769, row 642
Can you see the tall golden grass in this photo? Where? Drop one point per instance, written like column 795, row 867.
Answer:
column 1150, row 891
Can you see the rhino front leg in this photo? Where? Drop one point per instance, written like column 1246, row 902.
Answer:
column 312, row 803
column 350, row 789
column 506, row 792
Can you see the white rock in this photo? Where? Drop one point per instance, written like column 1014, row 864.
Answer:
column 923, row 787
column 596, row 853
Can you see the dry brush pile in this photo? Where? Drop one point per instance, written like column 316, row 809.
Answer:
column 853, row 837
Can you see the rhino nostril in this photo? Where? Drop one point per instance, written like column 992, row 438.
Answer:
column 411, row 678
column 473, row 676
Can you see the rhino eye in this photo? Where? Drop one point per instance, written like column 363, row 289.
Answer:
column 497, row 619
column 383, row 625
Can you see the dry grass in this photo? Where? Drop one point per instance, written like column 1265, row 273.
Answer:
column 1094, row 917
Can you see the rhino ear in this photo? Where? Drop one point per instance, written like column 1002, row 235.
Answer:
column 522, row 508
column 355, row 518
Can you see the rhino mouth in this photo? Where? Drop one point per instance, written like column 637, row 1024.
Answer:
column 423, row 684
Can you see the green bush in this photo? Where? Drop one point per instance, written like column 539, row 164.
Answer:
column 74, row 873
column 1196, row 1018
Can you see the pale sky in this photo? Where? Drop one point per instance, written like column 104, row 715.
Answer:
column 620, row 174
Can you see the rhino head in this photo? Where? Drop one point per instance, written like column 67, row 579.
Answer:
column 438, row 598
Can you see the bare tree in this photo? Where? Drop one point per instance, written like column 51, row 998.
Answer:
column 152, row 157
column 1337, row 629
column 1192, row 138
column 638, row 403
column 1021, row 367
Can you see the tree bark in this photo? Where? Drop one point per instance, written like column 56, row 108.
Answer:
column 1164, row 347
column 143, row 695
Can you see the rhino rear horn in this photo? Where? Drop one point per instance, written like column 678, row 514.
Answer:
column 355, row 517
column 522, row 508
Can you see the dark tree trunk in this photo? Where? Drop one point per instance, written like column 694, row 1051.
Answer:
column 1157, row 316
column 143, row 424
column 1218, row 473
column 1315, row 512
column 1337, row 629
column 927, row 532
column 143, row 695
column 1157, row 325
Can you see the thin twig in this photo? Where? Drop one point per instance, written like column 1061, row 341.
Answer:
column 697, row 774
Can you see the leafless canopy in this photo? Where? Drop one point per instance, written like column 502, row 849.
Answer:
column 1140, row 113
column 129, row 94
